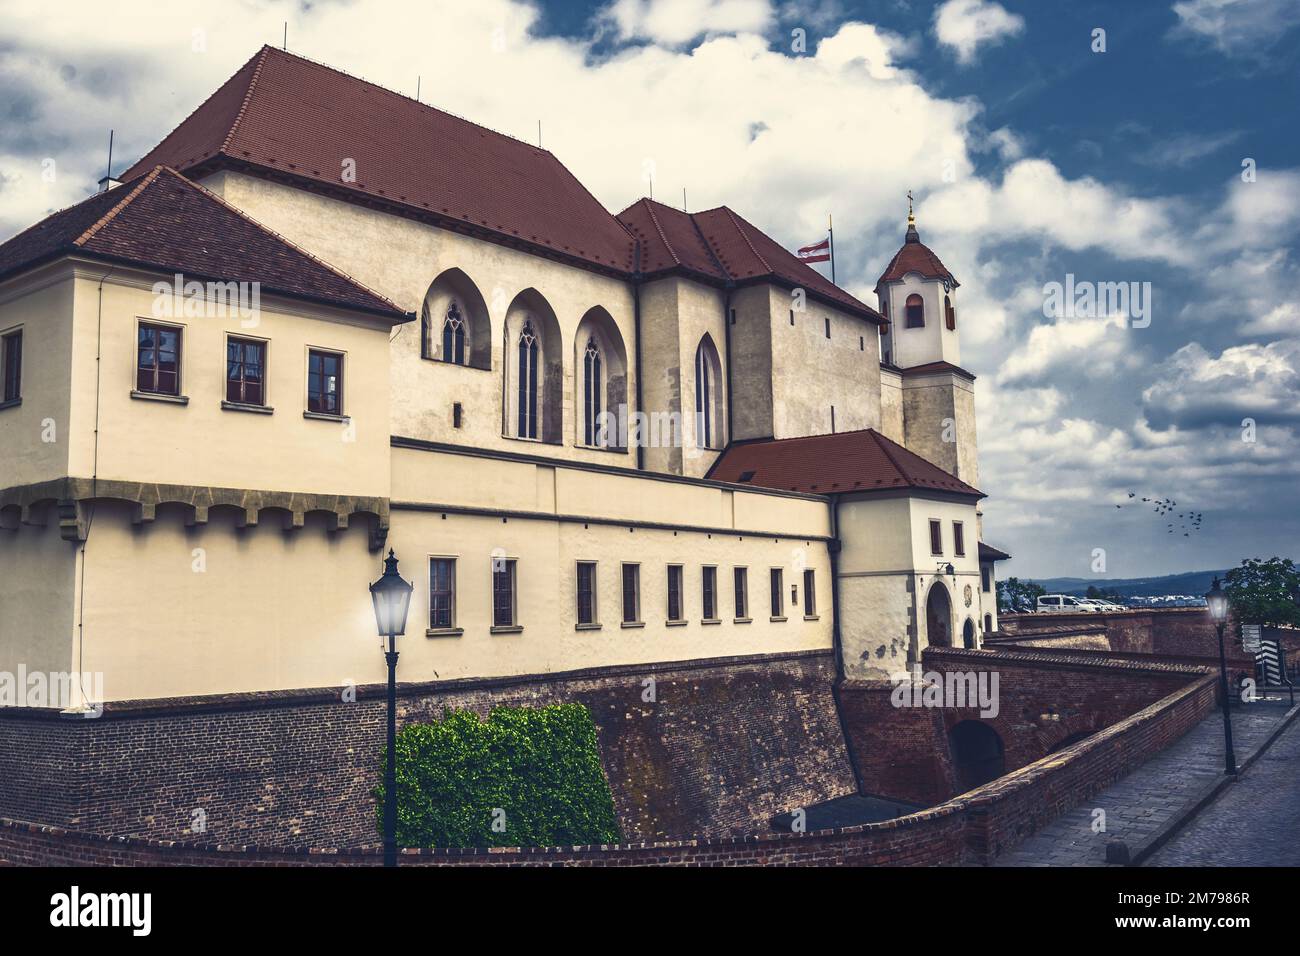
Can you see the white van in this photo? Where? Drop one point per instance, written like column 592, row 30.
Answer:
column 1061, row 603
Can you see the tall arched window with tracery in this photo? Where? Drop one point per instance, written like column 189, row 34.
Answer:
column 708, row 399
column 453, row 336
column 528, row 381
column 592, row 389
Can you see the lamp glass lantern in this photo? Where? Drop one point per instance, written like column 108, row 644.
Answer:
column 391, row 595
column 1217, row 601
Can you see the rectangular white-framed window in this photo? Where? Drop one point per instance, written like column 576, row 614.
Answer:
column 586, row 595
column 709, row 592
column 776, row 581
column 11, row 367
column 631, row 594
column 246, row 371
column 676, row 612
column 325, row 382
column 442, row 593
column 505, row 599
column 740, row 585
column 158, row 356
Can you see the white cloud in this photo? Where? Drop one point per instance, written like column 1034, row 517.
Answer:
column 1236, row 27
column 1257, row 381
column 966, row 25
column 676, row 22
column 1095, row 347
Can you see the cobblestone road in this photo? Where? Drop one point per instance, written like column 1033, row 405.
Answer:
column 1148, row 798
column 1256, row 822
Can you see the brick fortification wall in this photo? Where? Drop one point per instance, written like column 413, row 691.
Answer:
column 1168, row 633
column 975, row 827
column 725, row 745
column 1044, row 699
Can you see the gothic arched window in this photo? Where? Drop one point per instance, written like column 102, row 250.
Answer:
column 915, row 312
column 592, row 386
column 708, row 400
column 949, row 314
column 453, row 336
column 528, row 382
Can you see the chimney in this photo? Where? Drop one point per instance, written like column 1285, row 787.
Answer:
column 107, row 183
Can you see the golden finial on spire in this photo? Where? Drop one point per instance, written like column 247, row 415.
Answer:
column 911, row 219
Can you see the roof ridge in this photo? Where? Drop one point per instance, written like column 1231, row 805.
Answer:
column 199, row 187
column 708, row 248
column 248, row 95
column 411, row 99
column 884, row 450
column 660, row 229
column 735, row 221
column 117, row 207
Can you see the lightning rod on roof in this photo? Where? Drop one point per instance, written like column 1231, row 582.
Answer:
column 539, row 134
column 417, row 87
column 108, row 173
column 286, row 35
column 683, row 199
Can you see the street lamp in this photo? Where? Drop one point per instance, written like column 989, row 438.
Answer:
column 392, row 597
column 1217, row 601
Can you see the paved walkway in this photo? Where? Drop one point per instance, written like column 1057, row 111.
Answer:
column 1142, row 803
column 1255, row 822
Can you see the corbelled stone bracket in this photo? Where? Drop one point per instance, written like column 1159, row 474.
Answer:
column 72, row 499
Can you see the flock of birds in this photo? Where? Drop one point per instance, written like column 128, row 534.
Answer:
column 1164, row 507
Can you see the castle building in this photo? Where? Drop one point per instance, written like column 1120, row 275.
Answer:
column 321, row 320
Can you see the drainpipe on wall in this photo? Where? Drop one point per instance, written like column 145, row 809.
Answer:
column 837, row 640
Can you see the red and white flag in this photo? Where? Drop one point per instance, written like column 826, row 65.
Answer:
column 818, row 252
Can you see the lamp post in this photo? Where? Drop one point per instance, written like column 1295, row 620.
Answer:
column 1217, row 602
column 392, row 599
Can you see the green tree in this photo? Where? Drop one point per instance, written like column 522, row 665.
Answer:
column 525, row 776
column 1013, row 593
column 1264, row 592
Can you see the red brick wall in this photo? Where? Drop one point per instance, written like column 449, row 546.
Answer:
column 726, row 745
column 1044, row 698
column 975, row 827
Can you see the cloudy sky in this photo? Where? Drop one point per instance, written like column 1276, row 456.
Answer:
column 1170, row 158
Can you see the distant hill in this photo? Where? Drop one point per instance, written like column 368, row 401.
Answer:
column 1195, row 583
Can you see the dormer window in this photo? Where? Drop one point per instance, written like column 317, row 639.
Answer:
column 915, row 312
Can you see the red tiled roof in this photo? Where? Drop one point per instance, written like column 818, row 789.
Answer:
column 284, row 113
column 718, row 244
column 990, row 553
column 915, row 256
column 162, row 220
column 845, row 462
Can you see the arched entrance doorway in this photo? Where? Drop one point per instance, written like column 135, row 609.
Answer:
column 977, row 754
column 938, row 617
column 968, row 634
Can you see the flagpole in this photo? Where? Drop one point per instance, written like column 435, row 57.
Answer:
column 830, row 224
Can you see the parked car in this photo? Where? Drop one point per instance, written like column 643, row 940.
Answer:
column 1061, row 603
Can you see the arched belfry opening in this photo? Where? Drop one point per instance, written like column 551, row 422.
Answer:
column 938, row 616
column 977, row 754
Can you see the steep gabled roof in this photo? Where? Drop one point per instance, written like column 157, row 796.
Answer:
column 990, row 553
column 842, row 463
column 287, row 114
column 161, row 220
column 717, row 244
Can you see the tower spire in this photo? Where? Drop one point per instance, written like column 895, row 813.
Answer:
column 912, row 234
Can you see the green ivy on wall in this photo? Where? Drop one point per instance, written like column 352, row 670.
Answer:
column 526, row 776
